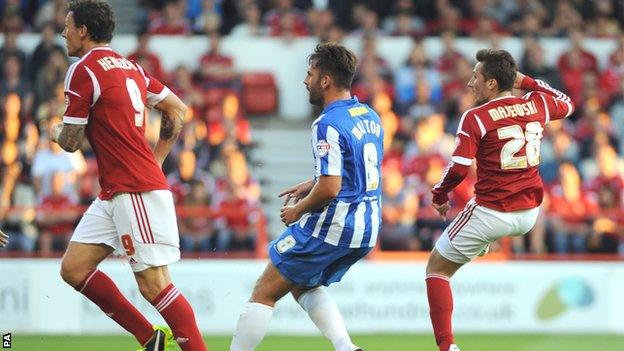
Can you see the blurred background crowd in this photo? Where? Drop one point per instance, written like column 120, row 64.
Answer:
column 45, row 190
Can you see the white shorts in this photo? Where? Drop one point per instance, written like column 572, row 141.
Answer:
column 476, row 226
column 141, row 226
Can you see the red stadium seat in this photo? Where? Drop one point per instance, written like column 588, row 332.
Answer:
column 259, row 93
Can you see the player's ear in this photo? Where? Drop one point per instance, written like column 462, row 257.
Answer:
column 326, row 81
column 83, row 31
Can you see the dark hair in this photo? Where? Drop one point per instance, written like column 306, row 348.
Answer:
column 499, row 65
column 97, row 16
column 336, row 61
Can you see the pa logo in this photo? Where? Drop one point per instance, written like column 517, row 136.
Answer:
column 6, row 341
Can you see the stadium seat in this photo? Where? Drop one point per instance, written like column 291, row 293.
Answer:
column 259, row 93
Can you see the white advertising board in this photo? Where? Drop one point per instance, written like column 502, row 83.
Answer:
column 374, row 297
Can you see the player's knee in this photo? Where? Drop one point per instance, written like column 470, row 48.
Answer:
column 149, row 288
column 72, row 274
column 263, row 296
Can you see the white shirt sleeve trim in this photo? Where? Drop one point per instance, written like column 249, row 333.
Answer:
column 154, row 99
column 481, row 126
column 96, row 86
column 334, row 157
column 547, row 118
column 461, row 160
column 75, row 120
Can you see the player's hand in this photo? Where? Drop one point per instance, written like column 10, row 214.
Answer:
column 296, row 192
column 442, row 209
column 55, row 132
column 519, row 77
column 4, row 239
column 290, row 214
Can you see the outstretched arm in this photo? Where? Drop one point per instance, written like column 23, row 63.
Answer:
column 173, row 112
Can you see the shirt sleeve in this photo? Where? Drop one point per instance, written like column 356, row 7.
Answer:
column 467, row 140
column 328, row 148
column 79, row 89
column 556, row 104
column 156, row 91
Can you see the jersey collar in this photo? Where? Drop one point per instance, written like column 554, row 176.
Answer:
column 339, row 103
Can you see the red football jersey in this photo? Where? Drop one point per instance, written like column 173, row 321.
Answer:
column 108, row 93
column 504, row 136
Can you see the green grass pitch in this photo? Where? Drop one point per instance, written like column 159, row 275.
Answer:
column 381, row 342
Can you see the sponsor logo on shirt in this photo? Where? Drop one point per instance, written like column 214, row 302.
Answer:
column 322, row 147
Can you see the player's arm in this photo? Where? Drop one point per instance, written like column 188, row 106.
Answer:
column 467, row 142
column 173, row 111
column 328, row 146
column 79, row 89
column 297, row 192
column 323, row 191
column 557, row 104
column 68, row 136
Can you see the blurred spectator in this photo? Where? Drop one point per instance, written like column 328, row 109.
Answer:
column 10, row 49
column 609, row 189
column 418, row 84
column 367, row 24
column 285, row 14
column 403, row 20
column 534, row 65
column 237, row 213
column 56, row 217
column 52, row 12
column 49, row 160
column 320, row 22
column 171, row 21
column 373, row 73
column 13, row 84
column 187, row 173
column 566, row 19
column 149, row 61
column 603, row 24
column 197, row 231
column 573, row 64
column 558, row 147
column 208, row 21
column 216, row 70
column 181, row 83
column 449, row 18
column 50, row 76
column 571, row 211
column 252, row 25
column 399, row 211
column 46, row 45
column 17, row 221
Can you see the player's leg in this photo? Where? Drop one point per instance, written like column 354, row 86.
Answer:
column 156, row 286
column 439, row 272
column 321, row 307
column 93, row 240
column 253, row 323
column 147, row 229
column 444, row 261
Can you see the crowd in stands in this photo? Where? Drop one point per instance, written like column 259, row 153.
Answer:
column 420, row 104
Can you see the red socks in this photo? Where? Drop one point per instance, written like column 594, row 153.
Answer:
column 178, row 314
column 100, row 289
column 440, row 309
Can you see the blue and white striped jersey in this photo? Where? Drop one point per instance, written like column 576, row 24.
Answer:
column 347, row 141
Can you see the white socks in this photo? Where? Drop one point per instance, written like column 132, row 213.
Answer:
column 252, row 325
column 325, row 314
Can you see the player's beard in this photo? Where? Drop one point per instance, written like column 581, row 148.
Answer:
column 315, row 95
